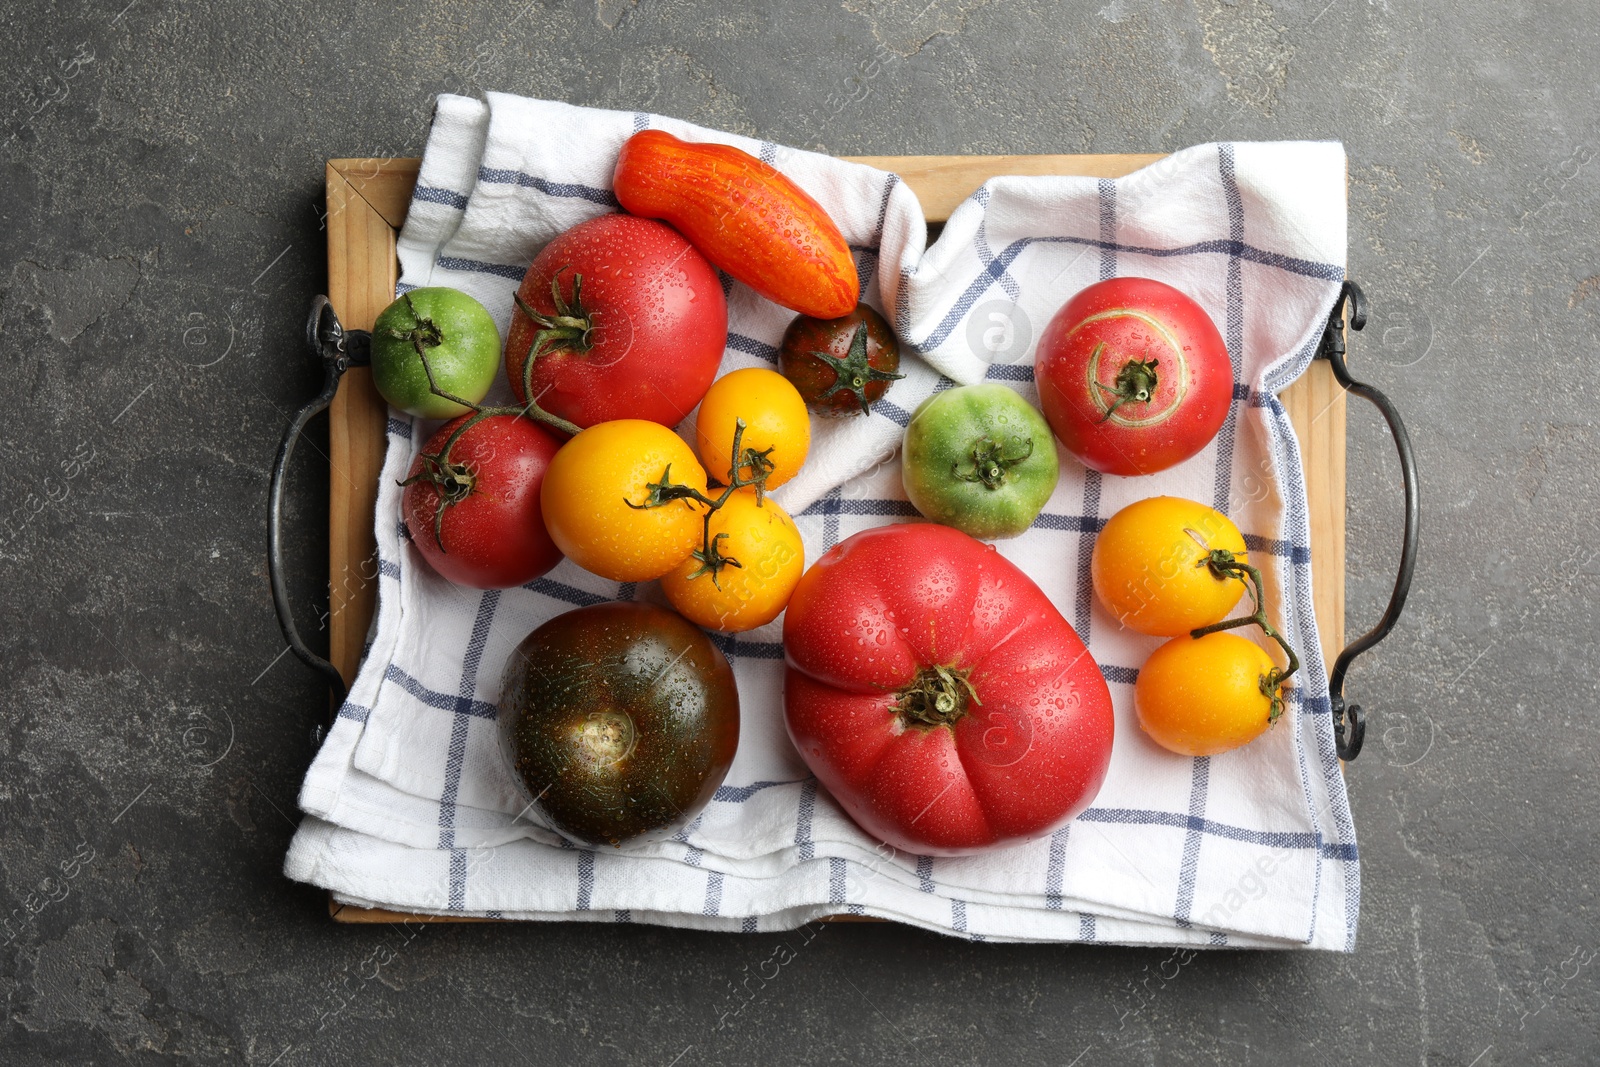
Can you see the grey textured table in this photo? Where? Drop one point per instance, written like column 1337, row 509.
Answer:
column 159, row 240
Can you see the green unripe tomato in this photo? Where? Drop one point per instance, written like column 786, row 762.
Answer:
column 979, row 458
column 460, row 341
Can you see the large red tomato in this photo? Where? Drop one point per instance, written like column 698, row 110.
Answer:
column 939, row 695
column 631, row 321
column 1133, row 376
column 473, row 509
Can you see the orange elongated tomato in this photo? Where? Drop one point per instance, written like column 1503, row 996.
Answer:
column 745, row 216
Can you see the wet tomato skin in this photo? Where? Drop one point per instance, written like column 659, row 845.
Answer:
column 494, row 537
column 939, row 695
column 748, row 217
column 593, row 500
column 817, row 380
column 1149, row 566
column 774, row 417
column 657, row 317
column 762, row 537
column 621, row 720
column 1203, row 696
column 1096, row 338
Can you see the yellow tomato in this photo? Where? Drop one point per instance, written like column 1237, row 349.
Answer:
column 774, row 417
column 596, row 476
column 771, row 559
column 1149, row 566
column 1202, row 696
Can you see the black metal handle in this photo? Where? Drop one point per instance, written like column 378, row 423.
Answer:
column 1349, row 725
column 337, row 349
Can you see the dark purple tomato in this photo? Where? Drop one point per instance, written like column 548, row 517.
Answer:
column 621, row 720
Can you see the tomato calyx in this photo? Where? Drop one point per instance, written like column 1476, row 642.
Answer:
column 1222, row 564
column 937, row 696
column 453, row 481
column 666, row 491
column 854, row 372
column 570, row 327
column 1136, row 383
column 709, row 555
column 423, row 335
column 711, row 560
column 992, row 460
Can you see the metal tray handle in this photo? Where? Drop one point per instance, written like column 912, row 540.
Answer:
column 1349, row 724
column 337, row 349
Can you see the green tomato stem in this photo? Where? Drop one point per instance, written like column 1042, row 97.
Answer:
column 423, row 335
column 937, row 696
column 992, row 460
column 454, row 482
column 1222, row 563
column 1136, row 383
column 709, row 554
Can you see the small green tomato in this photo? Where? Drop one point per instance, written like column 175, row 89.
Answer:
column 979, row 458
column 459, row 340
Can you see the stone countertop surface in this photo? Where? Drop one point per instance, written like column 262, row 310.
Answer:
column 160, row 238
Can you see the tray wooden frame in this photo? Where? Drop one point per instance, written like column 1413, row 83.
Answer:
column 366, row 204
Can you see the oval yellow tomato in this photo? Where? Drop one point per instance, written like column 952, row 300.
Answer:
column 774, row 417
column 766, row 544
column 1149, row 566
column 1202, row 696
column 593, row 494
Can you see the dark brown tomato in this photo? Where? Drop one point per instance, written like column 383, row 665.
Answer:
column 841, row 366
column 621, row 720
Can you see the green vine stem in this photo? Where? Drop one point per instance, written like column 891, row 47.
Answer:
column 1223, row 564
column 709, row 555
column 425, row 334
column 455, row 482
column 570, row 327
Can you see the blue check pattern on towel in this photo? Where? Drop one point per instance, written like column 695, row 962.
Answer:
column 410, row 803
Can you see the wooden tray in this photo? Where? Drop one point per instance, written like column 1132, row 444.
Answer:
column 367, row 202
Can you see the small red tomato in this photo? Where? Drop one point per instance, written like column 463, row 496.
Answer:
column 472, row 504
column 1133, row 376
column 939, row 695
column 841, row 366
column 626, row 319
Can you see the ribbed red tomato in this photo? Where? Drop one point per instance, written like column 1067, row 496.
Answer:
column 939, row 695
column 473, row 511
column 629, row 320
column 1133, row 376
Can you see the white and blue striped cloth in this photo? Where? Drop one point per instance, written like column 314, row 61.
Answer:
column 410, row 804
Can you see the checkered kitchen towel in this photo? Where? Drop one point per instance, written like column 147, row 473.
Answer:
column 410, row 804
